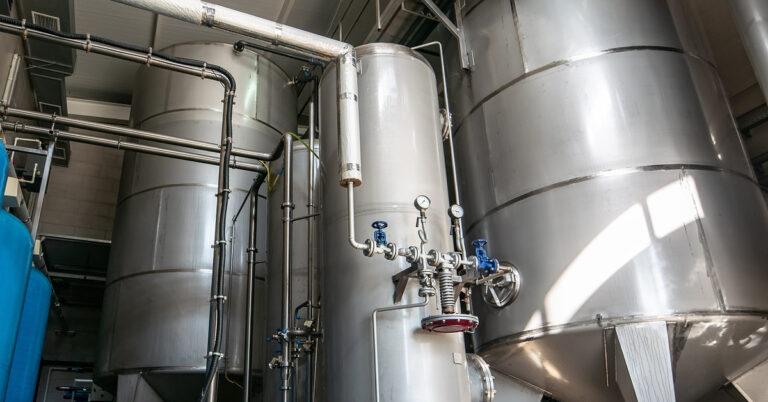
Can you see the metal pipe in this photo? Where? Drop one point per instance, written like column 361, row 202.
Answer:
column 94, row 44
column 216, row 16
column 311, row 237
column 130, row 146
column 311, row 211
column 282, row 51
column 287, row 207
column 351, row 219
column 451, row 149
column 251, row 285
column 37, row 212
column 129, row 132
column 752, row 22
column 10, row 82
column 376, row 338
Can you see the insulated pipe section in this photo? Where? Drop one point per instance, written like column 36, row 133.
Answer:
column 349, row 122
column 213, row 15
column 752, row 21
column 216, row 16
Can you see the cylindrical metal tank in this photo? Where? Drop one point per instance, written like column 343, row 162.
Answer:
column 15, row 263
column 158, row 284
column 299, row 267
column 402, row 159
column 597, row 153
column 30, row 339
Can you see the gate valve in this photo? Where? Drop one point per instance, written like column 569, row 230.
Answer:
column 485, row 265
column 379, row 236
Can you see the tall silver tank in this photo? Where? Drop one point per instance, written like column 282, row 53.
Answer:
column 299, row 259
column 597, row 153
column 156, row 303
column 402, row 158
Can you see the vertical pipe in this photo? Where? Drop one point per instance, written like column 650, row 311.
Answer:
column 752, row 22
column 311, row 211
column 287, row 207
column 451, row 149
column 10, row 82
column 250, row 294
column 43, row 188
column 311, row 237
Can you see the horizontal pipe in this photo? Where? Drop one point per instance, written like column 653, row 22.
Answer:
column 216, row 16
column 130, row 146
column 294, row 54
column 93, row 44
column 129, row 132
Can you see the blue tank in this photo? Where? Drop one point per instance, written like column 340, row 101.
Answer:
column 29, row 340
column 15, row 264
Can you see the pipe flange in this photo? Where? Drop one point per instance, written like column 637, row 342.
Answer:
column 450, row 323
column 480, row 368
column 370, row 248
column 390, row 252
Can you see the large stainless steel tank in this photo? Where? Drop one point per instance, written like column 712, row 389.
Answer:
column 299, row 265
column 402, row 158
column 598, row 154
column 156, row 302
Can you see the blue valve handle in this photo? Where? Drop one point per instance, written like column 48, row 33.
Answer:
column 379, row 235
column 485, row 265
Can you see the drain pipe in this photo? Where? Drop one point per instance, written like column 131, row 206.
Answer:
column 253, row 199
column 215, row 16
column 752, row 22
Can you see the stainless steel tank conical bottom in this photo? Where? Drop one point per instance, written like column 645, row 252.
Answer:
column 598, row 155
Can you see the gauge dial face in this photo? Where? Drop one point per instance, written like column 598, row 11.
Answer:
column 422, row 202
column 456, row 212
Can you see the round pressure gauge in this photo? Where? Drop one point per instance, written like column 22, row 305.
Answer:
column 422, row 202
column 456, row 211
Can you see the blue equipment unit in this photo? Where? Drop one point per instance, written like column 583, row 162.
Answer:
column 29, row 340
column 15, row 264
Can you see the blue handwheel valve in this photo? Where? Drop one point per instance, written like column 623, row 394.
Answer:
column 379, row 235
column 485, row 265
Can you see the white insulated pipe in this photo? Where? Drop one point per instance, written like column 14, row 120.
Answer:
column 751, row 17
column 213, row 15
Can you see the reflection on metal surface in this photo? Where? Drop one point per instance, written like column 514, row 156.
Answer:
column 569, row 61
column 616, row 172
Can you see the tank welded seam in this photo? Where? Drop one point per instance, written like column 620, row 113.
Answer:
column 708, row 260
column 602, row 323
column 609, row 173
column 175, row 270
column 120, row 201
column 516, row 23
column 572, row 60
column 207, row 109
column 172, row 370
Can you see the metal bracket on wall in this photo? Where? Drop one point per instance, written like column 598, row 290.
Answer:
column 467, row 57
column 457, row 30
